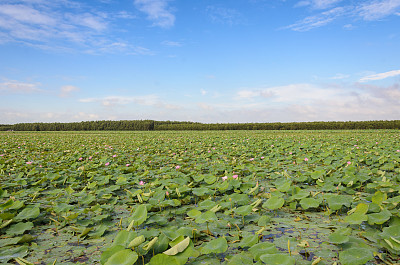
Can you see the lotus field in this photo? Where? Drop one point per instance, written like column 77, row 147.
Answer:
column 227, row 197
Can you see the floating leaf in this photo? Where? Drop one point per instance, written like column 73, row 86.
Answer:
column 181, row 246
column 261, row 249
column 122, row 257
column 277, row 259
column 355, row 256
column 19, row 228
column 218, row 245
column 140, row 215
column 274, row 203
column 28, row 213
column 206, row 217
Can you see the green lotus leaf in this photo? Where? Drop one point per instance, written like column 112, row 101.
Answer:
column 210, row 179
column 28, row 213
column 140, row 215
column 356, row 218
column 206, row 217
column 355, row 256
column 122, row 257
column 11, row 253
column 193, row 213
column 9, row 241
column 338, row 238
column 262, row 248
column 162, row 259
column 277, row 259
column 379, row 197
column 264, row 220
column 201, row 191
column 284, row 187
column 123, row 238
column 248, row 241
column 274, row 203
column 301, row 194
column 379, row 218
column 244, row 210
column 19, row 228
column 218, row 245
column 109, row 252
column 336, row 202
column 136, row 241
column 181, row 246
column 309, row 203
column 241, row 259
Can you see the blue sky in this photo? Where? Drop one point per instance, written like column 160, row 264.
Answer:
column 205, row 61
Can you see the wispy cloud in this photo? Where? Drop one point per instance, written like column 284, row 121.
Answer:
column 60, row 26
column 332, row 10
column 66, row 91
column 172, row 43
column 157, row 11
column 17, row 87
column 318, row 20
column 380, row 76
column 378, row 9
column 318, row 4
column 223, row 15
column 147, row 100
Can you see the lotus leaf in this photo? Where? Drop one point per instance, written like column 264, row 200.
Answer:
column 277, row 259
column 140, row 215
column 179, row 247
column 19, row 228
column 28, row 213
column 355, row 256
column 274, row 203
column 206, row 217
column 261, row 249
column 122, row 257
column 218, row 245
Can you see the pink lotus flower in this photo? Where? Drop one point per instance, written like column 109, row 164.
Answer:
column 114, row 155
column 306, row 159
column 251, row 159
column 106, row 164
column 80, row 159
column 290, row 153
column 141, row 183
column 398, row 151
column 177, row 167
column 90, row 158
column 348, row 163
column 128, row 165
column 29, row 162
column 3, row 154
column 262, row 157
column 235, row 176
column 224, row 178
column 167, row 193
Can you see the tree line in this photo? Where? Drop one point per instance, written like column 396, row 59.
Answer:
column 151, row 125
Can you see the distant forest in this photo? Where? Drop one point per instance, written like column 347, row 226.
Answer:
column 150, row 125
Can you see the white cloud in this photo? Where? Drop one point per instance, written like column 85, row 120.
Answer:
column 378, row 9
column 172, row 43
column 148, row 100
column 157, row 11
column 203, row 92
column 366, row 10
column 318, row 20
column 67, row 90
column 62, row 26
column 223, row 15
column 340, row 76
column 318, row 4
column 380, row 76
column 18, row 87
